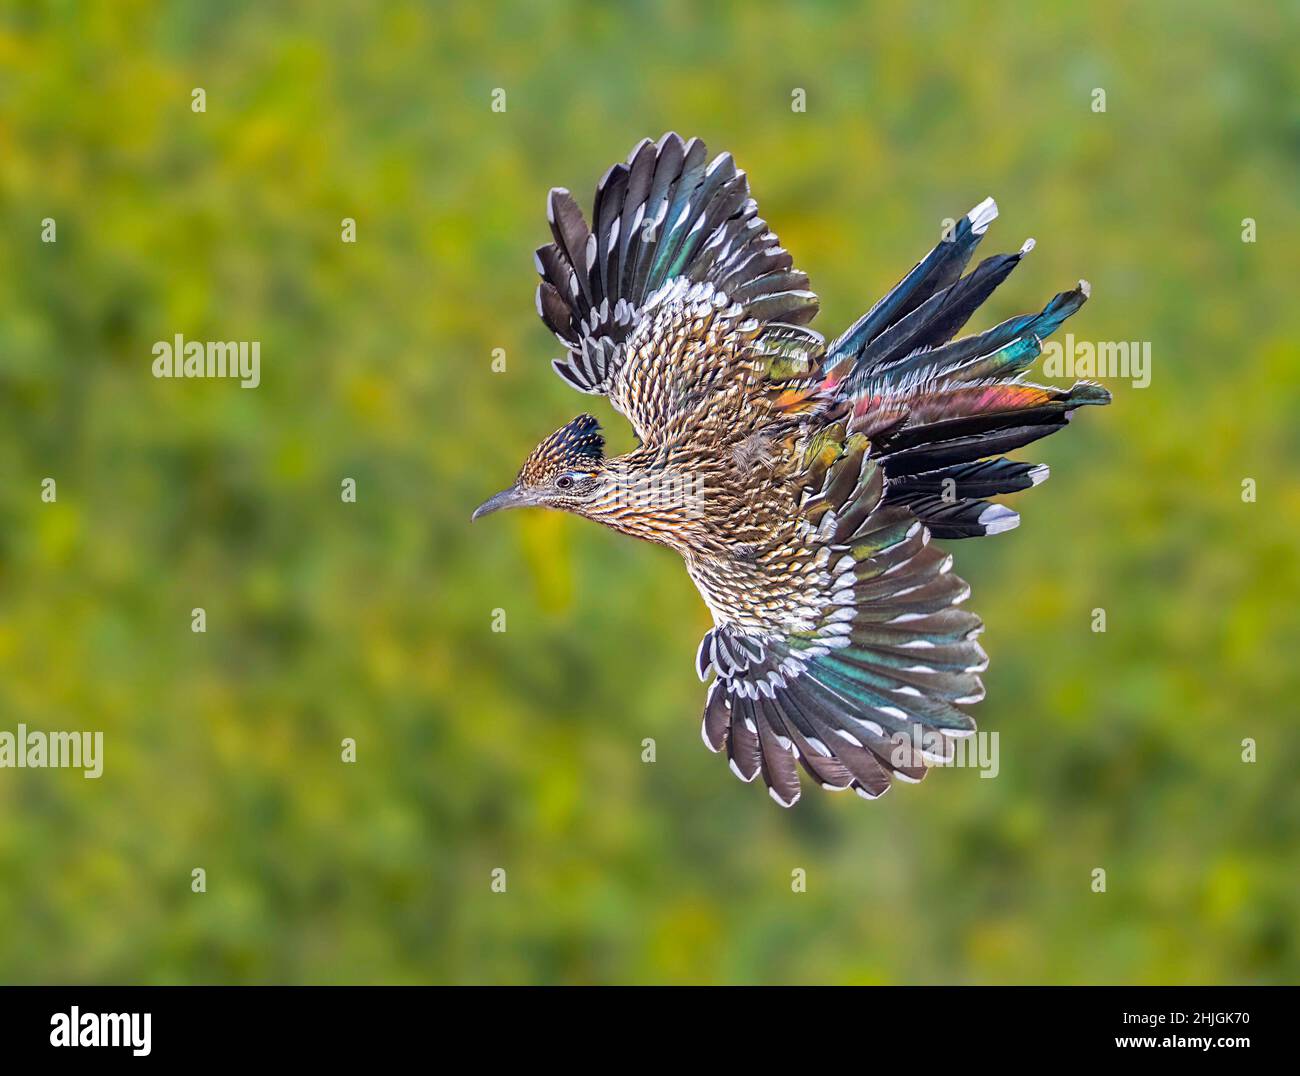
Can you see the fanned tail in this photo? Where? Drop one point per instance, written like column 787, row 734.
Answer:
column 941, row 411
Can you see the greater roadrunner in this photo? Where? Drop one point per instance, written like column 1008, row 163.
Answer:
column 801, row 481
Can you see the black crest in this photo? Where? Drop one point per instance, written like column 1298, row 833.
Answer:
column 578, row 446
column 581, row 439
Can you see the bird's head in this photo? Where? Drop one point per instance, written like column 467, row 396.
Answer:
column 566, row 471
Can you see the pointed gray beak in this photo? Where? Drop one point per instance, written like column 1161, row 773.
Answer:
column 507, row 498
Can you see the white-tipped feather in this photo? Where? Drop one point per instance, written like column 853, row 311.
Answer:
column 704, row 735
column 784, row 803
column 982, row 216
column 997, row 518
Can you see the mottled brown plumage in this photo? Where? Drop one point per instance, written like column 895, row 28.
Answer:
column 801, row 482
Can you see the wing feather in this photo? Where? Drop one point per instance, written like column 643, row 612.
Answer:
column 667, row 215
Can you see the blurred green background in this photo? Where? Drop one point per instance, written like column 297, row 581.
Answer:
column 522, row 749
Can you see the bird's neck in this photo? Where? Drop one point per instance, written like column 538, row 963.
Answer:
column 653, row 495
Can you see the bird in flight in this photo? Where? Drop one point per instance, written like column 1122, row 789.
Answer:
column 801, row 481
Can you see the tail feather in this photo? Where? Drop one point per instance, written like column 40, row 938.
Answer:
column 998, row 354
column 986, row 478
column 936, row 271
column 968, row 449
column 941, row 412
column 943, row 471
column 957, row 414
column 934, row 322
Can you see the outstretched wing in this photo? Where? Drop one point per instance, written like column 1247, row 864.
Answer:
column 864, row 680
column 668, row 216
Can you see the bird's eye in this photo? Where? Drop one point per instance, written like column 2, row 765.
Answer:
column 565, row 481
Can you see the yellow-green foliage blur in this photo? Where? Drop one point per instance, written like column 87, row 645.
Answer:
column 477, row 750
